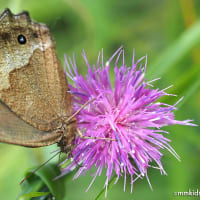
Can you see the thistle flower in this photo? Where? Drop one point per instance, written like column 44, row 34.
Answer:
column 128, row 113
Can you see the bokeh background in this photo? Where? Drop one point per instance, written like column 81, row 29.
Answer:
column 168, row 32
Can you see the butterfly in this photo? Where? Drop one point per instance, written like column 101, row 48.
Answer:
column 35, row 100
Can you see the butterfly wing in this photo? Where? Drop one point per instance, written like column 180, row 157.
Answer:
column 14, row 130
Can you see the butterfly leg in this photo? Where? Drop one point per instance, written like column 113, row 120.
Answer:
column 89, row 137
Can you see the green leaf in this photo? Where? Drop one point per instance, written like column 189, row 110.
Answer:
column 33, row 194
column 42, row 181
column 189, row 39
column 103, row 191
column 185, row 86
column 195, row 86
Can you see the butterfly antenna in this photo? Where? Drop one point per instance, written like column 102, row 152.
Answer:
column 83, row 106
column 33, row 172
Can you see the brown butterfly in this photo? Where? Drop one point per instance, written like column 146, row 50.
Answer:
column 35, row 103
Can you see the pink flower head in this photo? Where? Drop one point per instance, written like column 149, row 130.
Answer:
column 128, row 113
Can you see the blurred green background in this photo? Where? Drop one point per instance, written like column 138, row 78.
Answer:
column 168, row 32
